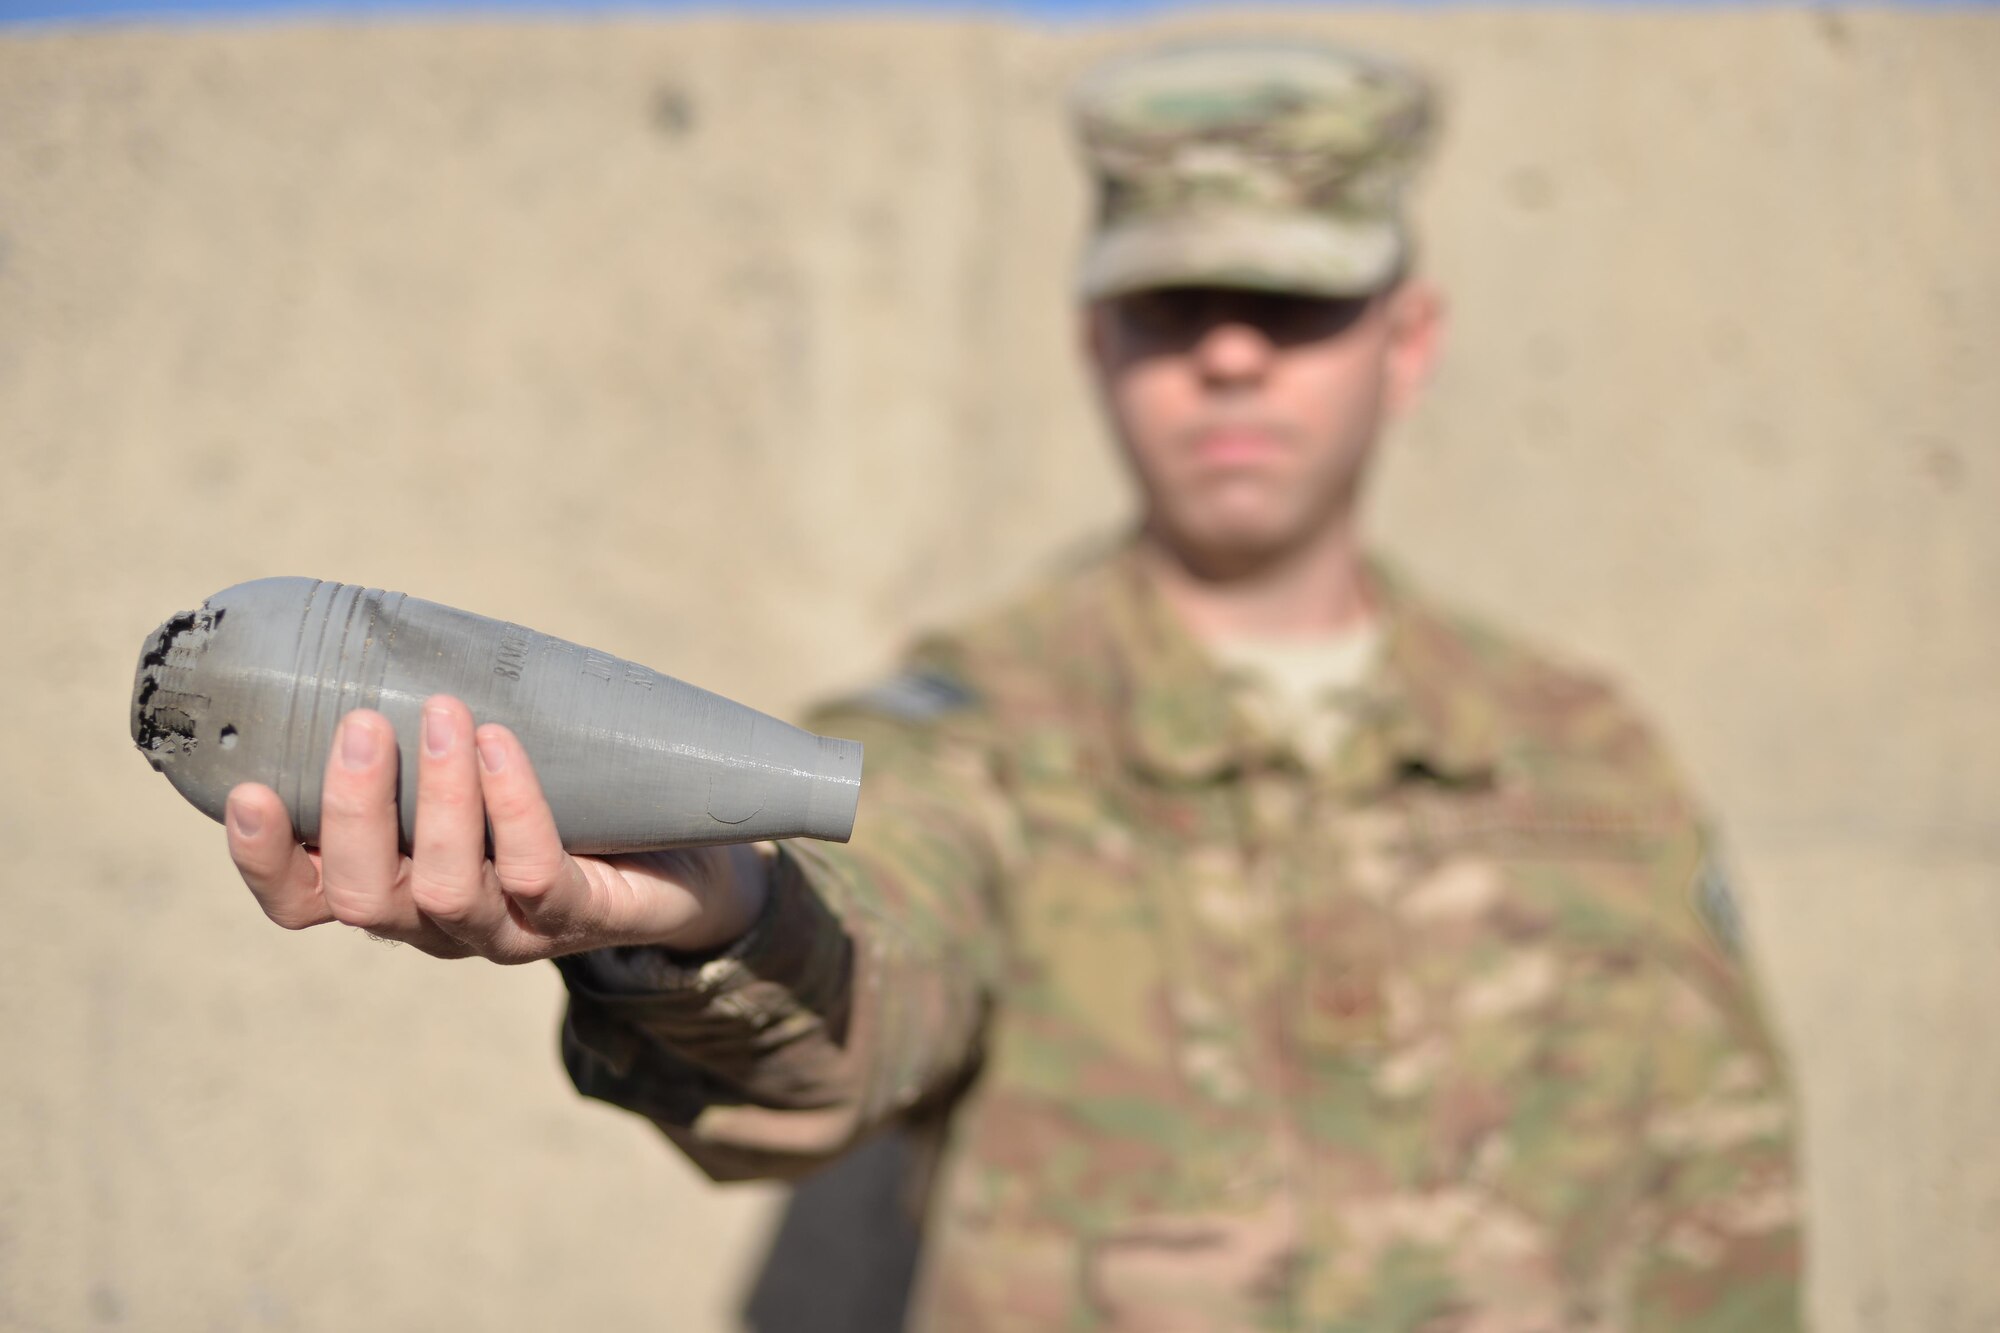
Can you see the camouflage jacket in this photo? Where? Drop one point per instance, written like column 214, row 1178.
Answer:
column 1437, row 1037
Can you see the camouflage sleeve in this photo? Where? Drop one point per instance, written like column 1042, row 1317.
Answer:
column 861, row 993
column 1721, row 1243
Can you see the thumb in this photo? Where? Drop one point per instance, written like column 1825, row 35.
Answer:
column 691, row 899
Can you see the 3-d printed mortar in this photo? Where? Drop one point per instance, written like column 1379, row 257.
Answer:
column 249, row 687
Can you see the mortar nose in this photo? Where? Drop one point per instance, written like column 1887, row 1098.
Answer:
column 211, row 701
column 165, row 712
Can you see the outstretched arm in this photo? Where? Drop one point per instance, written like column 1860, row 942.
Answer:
column 860, row 994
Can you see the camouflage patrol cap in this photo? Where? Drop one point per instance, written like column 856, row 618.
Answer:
column 1266, row 165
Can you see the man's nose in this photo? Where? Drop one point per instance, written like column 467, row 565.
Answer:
column 1230, row 351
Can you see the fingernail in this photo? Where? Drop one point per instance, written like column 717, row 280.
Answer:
column 357, row 744
column 247, row 820
column 437, row 732
column 492, row 754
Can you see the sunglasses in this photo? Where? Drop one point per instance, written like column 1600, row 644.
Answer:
column 1173, row 319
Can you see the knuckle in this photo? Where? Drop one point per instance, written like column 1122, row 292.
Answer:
column 437, row 900
column 529, row 876
column 294, row 918
column 443, row 899
column 368, row 916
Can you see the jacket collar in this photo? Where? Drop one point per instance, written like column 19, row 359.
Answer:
column 1428, row 707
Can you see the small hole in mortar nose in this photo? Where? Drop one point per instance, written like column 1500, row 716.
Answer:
column 229, row 738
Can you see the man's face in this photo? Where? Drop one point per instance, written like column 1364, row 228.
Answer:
column 1248, row 417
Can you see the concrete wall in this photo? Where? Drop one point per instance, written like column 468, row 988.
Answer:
column 741, row 347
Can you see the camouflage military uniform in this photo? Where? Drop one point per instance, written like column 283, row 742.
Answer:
column 1432, row 1038
column 1430, row 1035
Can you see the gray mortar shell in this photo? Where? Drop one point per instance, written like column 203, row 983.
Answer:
column 248, row 689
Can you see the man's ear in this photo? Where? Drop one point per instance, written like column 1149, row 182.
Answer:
column 1416, row 319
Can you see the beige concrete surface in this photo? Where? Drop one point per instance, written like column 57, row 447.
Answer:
column 740, row 348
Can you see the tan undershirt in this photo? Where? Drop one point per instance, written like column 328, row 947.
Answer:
column 1302, row 689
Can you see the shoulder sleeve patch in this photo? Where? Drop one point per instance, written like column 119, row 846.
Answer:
column 916, row 695
column 1715, row 901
